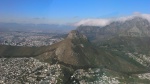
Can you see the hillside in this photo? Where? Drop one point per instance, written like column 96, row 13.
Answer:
column 77, row 51
column 130, row 38
column 136, row 27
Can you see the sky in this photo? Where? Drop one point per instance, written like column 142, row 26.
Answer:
column 68, row 11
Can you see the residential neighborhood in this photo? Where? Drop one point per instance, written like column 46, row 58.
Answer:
column 28, row 71
column 30, row 39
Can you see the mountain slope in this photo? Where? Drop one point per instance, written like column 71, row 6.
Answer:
column 77, row 51
column 127, row 39
column 133, row 47
column 136, row 27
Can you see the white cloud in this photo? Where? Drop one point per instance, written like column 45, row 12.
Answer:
column 107, row 21
column 146, row 16
column 135, row 14
column 93, row 22
column 123, row 19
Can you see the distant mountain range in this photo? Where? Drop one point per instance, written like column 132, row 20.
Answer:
column 52, row 28
column 136, row 27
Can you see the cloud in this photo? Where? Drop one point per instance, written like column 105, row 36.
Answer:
column 93, row 22
column 107, row 21
column 135, row 14
column 146, row 16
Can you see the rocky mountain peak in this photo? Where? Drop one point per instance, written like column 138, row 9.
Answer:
column 74, row 34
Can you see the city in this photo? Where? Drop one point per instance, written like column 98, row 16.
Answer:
column 28, row 71
column 31, row 39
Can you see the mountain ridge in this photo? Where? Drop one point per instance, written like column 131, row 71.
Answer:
column 124, row 38
column 136, row 27
column 76, row 50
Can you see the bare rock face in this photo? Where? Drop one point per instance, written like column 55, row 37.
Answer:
column 74, row 34
column 67, row 51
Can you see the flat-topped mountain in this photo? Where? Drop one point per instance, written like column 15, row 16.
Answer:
column 135, row 27
column 129, row 36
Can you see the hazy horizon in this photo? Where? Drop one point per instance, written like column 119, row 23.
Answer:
column 68, row 12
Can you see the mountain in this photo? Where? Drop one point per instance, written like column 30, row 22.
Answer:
column 136, row 27
column 119, row 49
column 76, row 51
column 73, row 50
column 130, row 38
